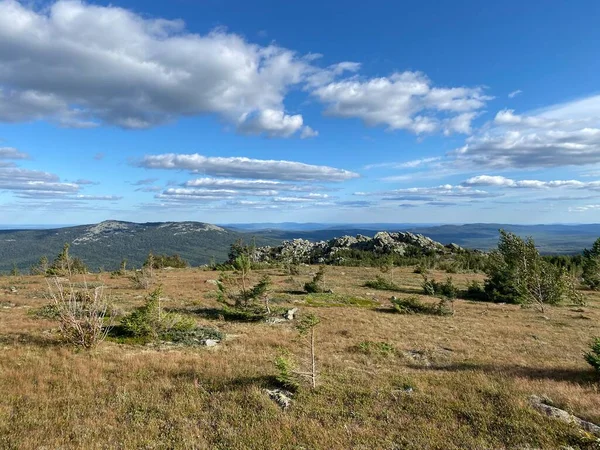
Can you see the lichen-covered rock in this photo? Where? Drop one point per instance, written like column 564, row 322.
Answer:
column 301, row 251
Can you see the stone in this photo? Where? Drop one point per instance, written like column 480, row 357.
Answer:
column 210, row 342
column 301, row 251
column 289, row 315
column 215, row 282
column 540, row 404
column 282, row 397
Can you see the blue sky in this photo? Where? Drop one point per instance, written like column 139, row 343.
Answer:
column 230, row 111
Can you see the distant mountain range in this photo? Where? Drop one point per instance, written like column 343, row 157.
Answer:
column 105, row 244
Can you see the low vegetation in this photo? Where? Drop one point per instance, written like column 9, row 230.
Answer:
column 352, row 369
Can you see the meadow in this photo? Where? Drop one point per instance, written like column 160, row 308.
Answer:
column 386, row 380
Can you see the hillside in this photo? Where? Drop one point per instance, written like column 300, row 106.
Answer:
column 105, row 244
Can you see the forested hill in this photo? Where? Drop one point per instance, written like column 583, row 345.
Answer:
column 104, row 245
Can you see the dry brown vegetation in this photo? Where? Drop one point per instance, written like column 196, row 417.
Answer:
column 470, row 373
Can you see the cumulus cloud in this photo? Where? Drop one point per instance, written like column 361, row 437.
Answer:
column 562, row 135
column 83, row 65
column 240, row 167
column 405, row 100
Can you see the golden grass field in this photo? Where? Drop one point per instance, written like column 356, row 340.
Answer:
column 471, row 373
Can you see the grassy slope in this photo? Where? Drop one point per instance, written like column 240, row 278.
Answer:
column 470, row 390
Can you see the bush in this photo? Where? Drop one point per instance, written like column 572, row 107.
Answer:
column 591, row 266
column 162, row 261
column 412, row 305
column 81, row 315
column 64, row 264
column 286, row 367
column 474, row 292
column 376, row 348
column 382, row 284
column 518, row 274
column 151, row 322
column 316, row 285
column 593, row 357
column 141, row 279
column 434, row 288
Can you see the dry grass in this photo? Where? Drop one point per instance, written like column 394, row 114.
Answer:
column 471, row 374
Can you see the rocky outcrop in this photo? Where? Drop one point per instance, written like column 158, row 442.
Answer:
column 323, row 252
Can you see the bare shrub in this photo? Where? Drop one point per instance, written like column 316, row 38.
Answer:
column 81, row 314
column 142, row 279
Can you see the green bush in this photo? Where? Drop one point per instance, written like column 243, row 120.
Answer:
column 286, row 367
column 412, row 305
column 316, row 285
column 434, row 288
column 518, row 274
column 474, row 292
column 376, row 348
column 382, row 284
column 151, row 322
column 593, row 356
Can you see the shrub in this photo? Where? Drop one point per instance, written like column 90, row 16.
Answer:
column 81, row 315
column 412, row 305
column 591, row 266
column 434, row 288
column 421, row 269
column 518, row 274
column 316, row 285
column 64, row 264
column 141, row 279
column 162, row 261
column 474, row 292
column 151, row 322
column 382, row 284
column 593, row 356
column 376, row 348
column 286, row 367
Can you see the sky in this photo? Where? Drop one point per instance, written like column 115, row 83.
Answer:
column 267, row 111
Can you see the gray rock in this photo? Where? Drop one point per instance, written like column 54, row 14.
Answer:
column 282, row 397
column 301, row 251
column 289, row 315
column 210, row 342
column 540, row 404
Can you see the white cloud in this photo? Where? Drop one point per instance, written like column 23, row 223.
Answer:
column 500, row 181
column 273, row 123
column 241, row 167
column 430, row 193
column 83, row 65
column 584, row 208
column 12, row 153
column 405, row 165
column 36, row 184
column 562, row 135
column 513, row 94
column 404, row 100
